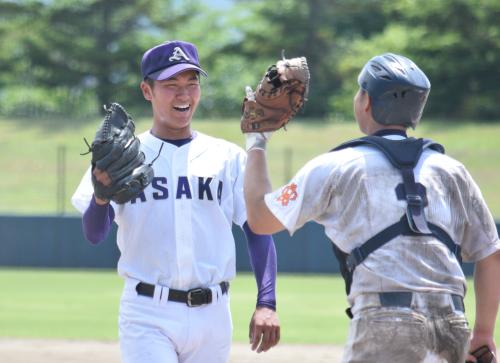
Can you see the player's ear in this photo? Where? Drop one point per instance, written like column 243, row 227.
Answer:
column 366, row 102
column 147, row 91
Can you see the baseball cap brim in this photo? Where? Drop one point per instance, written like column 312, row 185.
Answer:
column 176, row 69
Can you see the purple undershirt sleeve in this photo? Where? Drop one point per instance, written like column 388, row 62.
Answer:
column 264, row 264
column 97, row 221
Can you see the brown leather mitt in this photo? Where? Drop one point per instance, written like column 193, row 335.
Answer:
column 278, row 97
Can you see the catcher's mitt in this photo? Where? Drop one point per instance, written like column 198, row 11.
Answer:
column 278, row 97
column 115, row 153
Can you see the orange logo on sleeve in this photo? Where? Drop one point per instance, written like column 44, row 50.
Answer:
column 287, row 194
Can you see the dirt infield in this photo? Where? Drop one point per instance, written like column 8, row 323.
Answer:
column 68, row 351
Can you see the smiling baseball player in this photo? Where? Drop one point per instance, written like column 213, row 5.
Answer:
column 175, row 236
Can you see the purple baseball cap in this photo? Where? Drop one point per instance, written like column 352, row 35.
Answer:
column 168, row 59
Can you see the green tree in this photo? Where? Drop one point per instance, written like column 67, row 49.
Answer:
column 91, row 45
column 457, row 43
column 19, row 93
column 320, row 30
column 10, row 20
column 66, row 56
column 70, row 54
column 393, row 39
column 217, row 33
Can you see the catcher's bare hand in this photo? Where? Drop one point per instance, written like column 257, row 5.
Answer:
column 264, row 329
column 482, row 348
column 280, row 94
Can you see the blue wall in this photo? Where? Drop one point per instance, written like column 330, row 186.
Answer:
column 47, row 241
column 52, row 242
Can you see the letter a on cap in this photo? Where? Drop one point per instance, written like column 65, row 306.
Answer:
column 177, row 54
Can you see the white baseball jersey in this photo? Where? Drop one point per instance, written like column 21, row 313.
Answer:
column 351, row 193
column 177, row 233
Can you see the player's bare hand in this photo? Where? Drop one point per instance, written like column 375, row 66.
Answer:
column 264, row 329
column 482, row 340
column 103, row 178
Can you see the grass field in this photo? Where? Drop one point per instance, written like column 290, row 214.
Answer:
column 83, row 304
column 29, row 152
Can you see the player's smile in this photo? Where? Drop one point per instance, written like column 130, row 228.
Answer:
column 181, row 112
column 183, row 108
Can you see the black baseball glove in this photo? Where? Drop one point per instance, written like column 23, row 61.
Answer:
column 117, row 157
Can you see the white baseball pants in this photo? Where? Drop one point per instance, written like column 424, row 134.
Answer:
column 155, row 330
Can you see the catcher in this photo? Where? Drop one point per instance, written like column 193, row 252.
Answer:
column 401, row 216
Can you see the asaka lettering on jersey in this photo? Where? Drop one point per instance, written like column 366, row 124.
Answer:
column 204, row 189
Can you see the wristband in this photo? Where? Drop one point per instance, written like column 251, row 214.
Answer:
column 257, row 140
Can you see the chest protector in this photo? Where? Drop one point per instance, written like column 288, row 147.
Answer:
column 403, row 155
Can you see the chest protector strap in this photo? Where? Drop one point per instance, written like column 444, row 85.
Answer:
column 403, row 155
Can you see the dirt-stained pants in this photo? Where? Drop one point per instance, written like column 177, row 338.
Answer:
column 431, row 329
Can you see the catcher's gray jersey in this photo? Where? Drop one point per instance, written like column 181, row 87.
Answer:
column 352, row 194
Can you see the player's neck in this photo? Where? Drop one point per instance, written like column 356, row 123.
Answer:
column 171, row 134
column 374, row 127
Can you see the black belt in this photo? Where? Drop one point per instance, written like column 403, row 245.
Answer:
column 193, row 297
column 403, row 299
